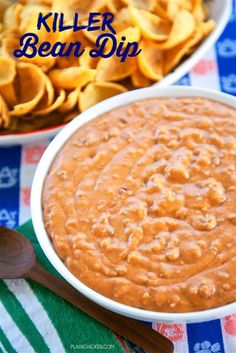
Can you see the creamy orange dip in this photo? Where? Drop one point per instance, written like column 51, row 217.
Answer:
column 140, row 204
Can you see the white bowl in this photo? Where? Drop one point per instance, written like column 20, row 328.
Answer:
column 36, row 201
column 219, row 10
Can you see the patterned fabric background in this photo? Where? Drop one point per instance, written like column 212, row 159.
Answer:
column 217, row 70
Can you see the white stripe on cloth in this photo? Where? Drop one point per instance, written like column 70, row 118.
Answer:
column 13, row 334
column 2, row 349
column 34, row 309
column 208, row 75
column 229, row 333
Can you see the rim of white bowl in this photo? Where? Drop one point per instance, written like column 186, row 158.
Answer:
column 36, row 201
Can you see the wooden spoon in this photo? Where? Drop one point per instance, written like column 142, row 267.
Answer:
column 18, row 260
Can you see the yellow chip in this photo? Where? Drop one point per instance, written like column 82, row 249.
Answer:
column 92, row 35
column 65, row 62
column 11, row 19
column 48, row 97
column 131, row 34
column 69, row 7
column 139, row 80
column 111, row 69
column 183, row 27
column 9, row 94
column 198, row 11
column 71, row 77
column 150, row 25
column 208, row 27
column 114, row 5
column 150, row 60
column 174, row 6
column 30, row 86
column 44, row 63
column 29, row 17
column 4, row 4
column 9, row 44
column 80, row 37
column 7, row 71
column 148, row 5
column 57, row 104
column 87, row 61
column 4, row 114
column 98, row 91
column 122, row 20
column 174, row 55
column 70, row 102
column 161, row 12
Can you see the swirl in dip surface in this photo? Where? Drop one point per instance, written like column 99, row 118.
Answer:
column 140, row 204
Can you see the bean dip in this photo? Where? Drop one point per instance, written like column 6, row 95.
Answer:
column 140, row 204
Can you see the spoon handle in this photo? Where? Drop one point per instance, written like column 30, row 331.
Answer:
column 135, row 331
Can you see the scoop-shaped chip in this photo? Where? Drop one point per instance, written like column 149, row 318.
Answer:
column 87, row 61
column 173, row 7
column 132, row 34
column 183, row 27
column 174, row 55
column 199, row 10
column 11, row 19
column 44, row 63
column 30, row 87
column 29, row 17
column 8, row 93
column 150, row 60
column 8, row 45
column 199, row 14
column 161, row 12
column 111, row 69
column 129, row 34
column 7, row 71
column 122, row 20
column 49, row 95
column 208, row 27
column 98, row 91
column 4, row 114
column 148, row 5
column 139, row 80
column 69, row 7
column 4, row 4
column 92, row 36
column 70, row 102
column 114, row 5
column 150, row 25
column 56, row 104
column 71, row 77
column 65, row 62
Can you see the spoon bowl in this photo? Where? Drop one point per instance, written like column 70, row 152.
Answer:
column 17, row 254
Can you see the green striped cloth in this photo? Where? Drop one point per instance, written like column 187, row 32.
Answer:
column 33, row 319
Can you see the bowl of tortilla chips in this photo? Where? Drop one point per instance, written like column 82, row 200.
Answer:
column 39, row 95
